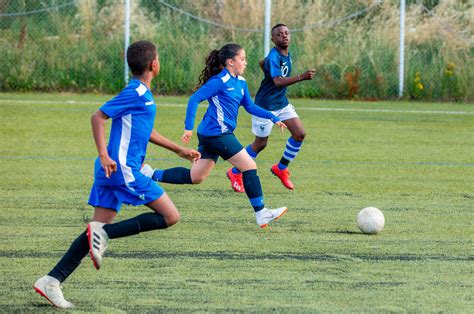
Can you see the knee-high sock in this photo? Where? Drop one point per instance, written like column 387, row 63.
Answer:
column 291, row 151
column 71, row 259
column 135, row 225
column 80, row 247
column 177, row 175
column 253, row 189
column 251, row 153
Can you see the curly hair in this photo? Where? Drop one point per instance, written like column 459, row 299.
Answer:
column 216, row 61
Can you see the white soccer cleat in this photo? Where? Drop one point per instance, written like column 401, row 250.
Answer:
column 49, row 288
column 147, row 170
column 265, row 216
column 98, row 239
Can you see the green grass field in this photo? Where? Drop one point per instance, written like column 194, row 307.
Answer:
column 414, row 161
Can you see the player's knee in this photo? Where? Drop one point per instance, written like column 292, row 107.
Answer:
column 173, row 218
column 299, row 136
column 198, row 179
column 252, row 165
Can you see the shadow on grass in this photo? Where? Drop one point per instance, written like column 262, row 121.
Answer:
column 347, row 232
column 223, row 255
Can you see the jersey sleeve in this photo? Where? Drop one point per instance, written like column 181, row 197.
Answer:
column 272, row 65
column 122, row 104
column 206, row 91
column 255, row 110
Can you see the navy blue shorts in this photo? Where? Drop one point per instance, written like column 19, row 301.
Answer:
column 142, row 191
column 225, row 146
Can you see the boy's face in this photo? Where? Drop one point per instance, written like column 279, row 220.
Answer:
column 155, row 66
column 281, row 37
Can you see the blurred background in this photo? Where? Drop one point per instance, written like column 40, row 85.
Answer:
column 78, row 46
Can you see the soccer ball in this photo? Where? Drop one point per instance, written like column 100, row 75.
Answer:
column 370, row 220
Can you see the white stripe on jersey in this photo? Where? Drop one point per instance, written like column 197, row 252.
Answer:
column 123, row 150
column 141, row 89
column 225, row 78
column 220, row 114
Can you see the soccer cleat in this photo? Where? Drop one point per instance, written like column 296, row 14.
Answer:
column 147, row 170
column 265, row 216
column 98, row 239
column 49, row 288
column 236, row 181
column 283, row 175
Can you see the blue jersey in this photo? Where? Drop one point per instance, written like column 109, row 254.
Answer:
column 225, row 93
column 268, row 95
column 133, row 114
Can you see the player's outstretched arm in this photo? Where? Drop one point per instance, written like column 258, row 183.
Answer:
column 281, row 81
column 183, row 152
column 98, row 130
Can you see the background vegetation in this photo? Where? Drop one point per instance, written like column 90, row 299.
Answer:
column 80, row 47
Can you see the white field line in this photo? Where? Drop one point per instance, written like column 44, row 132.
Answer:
column 298, row 109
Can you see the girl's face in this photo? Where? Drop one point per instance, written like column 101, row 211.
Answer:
column 237, row 64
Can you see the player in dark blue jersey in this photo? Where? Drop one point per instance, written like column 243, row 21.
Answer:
column 272, row 96
column 117, row 177
column 225, row 90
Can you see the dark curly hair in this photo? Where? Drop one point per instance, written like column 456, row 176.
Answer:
column 215, row 61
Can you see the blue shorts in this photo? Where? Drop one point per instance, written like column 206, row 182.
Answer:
column 141, row 191
column 225, row 146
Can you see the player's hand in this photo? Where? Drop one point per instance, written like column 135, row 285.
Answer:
column 186, row 136
column 308, row 75
column 281, row 125
column 108, row 165
column 189, row 154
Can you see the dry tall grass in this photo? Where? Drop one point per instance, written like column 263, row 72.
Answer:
column 356, row 58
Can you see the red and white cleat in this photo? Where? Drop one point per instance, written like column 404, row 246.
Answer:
column 236, row 181
column 49, row 288
column 266, row 216
column 283, row 175
column 98, row 239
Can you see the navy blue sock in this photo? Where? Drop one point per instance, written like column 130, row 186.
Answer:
column 253, row 189
column 283, row 163
column 135, row 225
column 80, row 247
column 177, row 175
column 71, row 259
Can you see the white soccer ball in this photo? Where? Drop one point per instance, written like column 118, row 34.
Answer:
column 370, row 220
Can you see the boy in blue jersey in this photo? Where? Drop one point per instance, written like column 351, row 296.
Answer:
column 225, row 89
column 117, row 177
column 272, row 96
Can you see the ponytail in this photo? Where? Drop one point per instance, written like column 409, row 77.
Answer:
column 213, row 67
column 216, row 61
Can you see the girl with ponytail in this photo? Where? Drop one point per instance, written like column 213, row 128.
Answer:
column 222, row 85
column 213, row 67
